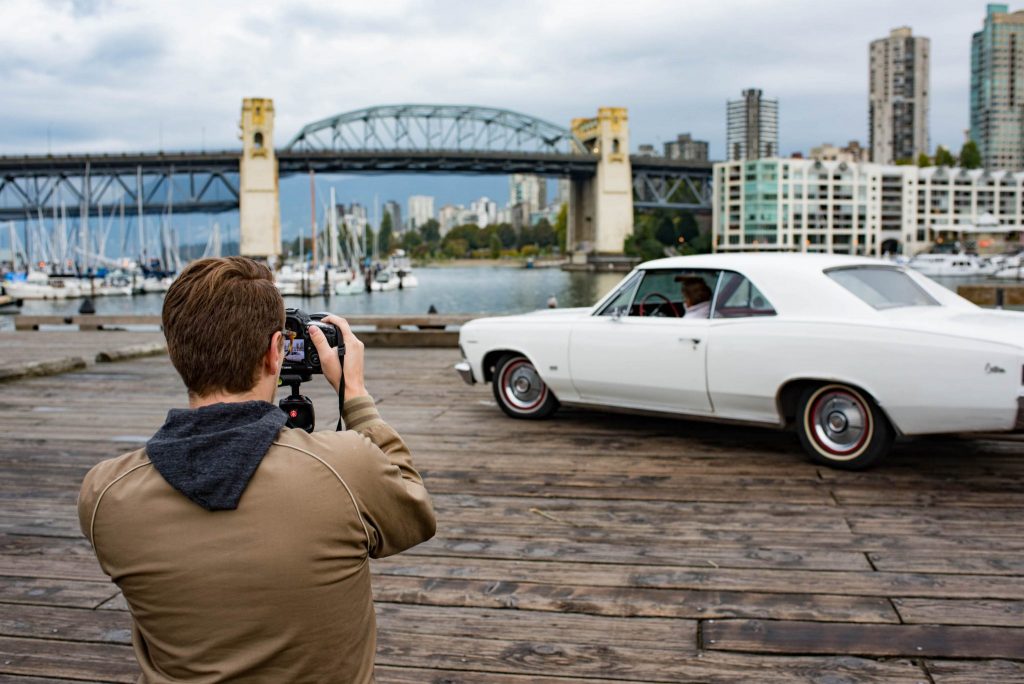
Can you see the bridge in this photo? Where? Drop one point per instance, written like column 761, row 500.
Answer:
column 606, row 182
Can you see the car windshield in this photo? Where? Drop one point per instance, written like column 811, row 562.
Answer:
column 881, row 287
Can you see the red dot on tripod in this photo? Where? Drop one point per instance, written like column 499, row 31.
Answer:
column 293, row 413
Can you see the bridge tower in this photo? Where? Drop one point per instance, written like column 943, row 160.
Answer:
column 258, row 201
column 601, row 206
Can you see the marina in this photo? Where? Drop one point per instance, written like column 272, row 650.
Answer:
column 593, row 546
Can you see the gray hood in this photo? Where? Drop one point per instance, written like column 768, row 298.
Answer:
column 209, row 454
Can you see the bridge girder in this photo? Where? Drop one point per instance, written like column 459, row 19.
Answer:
column 432, row 128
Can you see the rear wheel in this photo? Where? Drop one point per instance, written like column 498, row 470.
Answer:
column 519, row 390
column 842, row 428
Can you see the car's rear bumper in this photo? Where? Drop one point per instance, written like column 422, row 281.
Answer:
column 465, row 372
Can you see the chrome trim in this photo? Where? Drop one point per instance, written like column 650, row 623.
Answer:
column 465, row 372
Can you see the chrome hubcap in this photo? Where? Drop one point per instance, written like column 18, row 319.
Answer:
column 840, row 422
column 523, row 386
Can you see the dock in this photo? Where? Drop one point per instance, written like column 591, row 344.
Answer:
column 590, row 547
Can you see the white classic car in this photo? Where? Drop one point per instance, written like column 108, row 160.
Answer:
column 849, row 351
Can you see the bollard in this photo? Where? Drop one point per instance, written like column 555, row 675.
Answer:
column 1000, row 295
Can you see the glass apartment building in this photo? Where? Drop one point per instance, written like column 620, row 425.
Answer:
column 752, row 126
column 997, row 89
column 801, row 205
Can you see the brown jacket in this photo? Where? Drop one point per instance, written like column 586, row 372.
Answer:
column 277, row 590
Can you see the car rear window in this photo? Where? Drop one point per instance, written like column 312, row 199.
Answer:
column 881, row 287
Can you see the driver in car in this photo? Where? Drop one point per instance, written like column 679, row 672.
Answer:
column 696, row 296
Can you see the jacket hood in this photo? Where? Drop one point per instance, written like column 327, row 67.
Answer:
column 209, row 454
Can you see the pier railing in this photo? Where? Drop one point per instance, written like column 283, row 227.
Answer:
column 428, row 330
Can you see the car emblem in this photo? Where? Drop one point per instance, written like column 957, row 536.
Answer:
column 989, row 368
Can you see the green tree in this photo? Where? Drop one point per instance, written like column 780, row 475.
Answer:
column 411, row 240
column 431, row 233
column 924, row 160
column 386, row 235
column 525, row 237
column 906, row 161
column 469, row 232
column 562, row 227
column 944, row 157
column 508, row 235
column 495, row 246
column 970, row 155
column 544, row 234
column 456, row 248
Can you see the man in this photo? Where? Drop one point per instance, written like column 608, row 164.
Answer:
column 242, row 546
column 696, row 297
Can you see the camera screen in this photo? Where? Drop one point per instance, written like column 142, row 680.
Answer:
column 293, row 349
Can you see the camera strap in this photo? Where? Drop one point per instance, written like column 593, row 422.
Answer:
column 341, row 390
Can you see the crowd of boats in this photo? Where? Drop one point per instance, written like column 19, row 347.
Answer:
column 130, row 279
column 962, row 264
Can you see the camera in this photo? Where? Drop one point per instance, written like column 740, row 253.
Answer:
column 301, row 361
column 300, row 355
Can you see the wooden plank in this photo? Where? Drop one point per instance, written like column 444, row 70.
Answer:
column 769, row 636
column 71, row 593
column 937, row 611
column 65, row 624
column 975, row 671
column 622, row 663
column 68, row 660
column 1001, row 562
column 629, row 601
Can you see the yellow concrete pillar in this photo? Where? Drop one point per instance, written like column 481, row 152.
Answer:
column 259, row 202
column 601, row 207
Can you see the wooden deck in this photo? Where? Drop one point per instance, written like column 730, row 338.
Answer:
column 589, row 547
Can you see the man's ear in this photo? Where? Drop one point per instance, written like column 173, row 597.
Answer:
column 272, row 357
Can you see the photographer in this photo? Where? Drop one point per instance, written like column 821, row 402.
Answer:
column 241, row 546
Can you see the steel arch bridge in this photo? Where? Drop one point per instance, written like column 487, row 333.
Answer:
column 416, row 138
column 432, row 128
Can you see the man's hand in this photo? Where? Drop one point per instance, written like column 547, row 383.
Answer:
column 354, row 384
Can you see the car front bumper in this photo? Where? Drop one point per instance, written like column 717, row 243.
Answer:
column 465, row 372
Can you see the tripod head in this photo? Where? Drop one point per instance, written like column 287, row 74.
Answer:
column 297, row 407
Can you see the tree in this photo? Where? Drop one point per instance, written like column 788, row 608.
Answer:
column 386, row 235
column 508, row 235
column 495, row 246
column 970, row 155
column 469, row 232
column 411, row 240
column 562, row 227
column 944, row 157
column 431, row 233
column 924, row 160
column 544, row 233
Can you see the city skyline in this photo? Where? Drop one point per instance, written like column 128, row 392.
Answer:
column 189, row 79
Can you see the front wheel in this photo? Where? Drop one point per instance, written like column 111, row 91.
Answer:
column 519, row 390
column 840, row 427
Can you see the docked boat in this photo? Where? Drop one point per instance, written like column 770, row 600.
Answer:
column 386, row 280
column 949, row 265
column 402, row 266
column 39, row 285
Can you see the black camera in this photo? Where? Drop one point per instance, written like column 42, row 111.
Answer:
column 301, row 361
column 300, row 355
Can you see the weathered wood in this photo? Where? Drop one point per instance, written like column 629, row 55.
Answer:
column 939, row 611
column 68, row 659
column 769, row 636
column 988, row 295
column 587, row 546
column 975, row 671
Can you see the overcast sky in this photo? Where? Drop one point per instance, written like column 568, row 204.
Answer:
column 111, row 75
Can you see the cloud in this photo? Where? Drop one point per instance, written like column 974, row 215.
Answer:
column 112, row 75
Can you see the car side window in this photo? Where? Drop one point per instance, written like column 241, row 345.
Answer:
column 620, row 302
column 737, row 297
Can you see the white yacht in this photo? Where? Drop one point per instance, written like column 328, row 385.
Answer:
column 39, row 285
column 948, row 265
column 402, row 266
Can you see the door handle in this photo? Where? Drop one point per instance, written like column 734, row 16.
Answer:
column 692, row 340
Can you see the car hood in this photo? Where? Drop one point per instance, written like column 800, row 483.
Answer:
column 545, row 314
column 1006, row 327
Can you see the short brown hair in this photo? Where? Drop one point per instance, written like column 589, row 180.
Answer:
column 218, row 317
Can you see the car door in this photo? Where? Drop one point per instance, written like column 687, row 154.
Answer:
column 640, row 350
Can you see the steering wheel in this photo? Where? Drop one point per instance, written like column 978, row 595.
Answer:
column 675, row 311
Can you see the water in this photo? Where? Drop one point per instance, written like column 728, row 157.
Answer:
column 451, row 290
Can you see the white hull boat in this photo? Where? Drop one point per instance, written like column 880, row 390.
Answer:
column 948, row 265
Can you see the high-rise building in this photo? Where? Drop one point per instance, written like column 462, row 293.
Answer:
column 421, row 210
column 752, row 127
column 685, row 148
column 394, row 210
column 486, row 211
column 527, row 189
column 997, row 89
column 898, row 96
column 853, row 153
